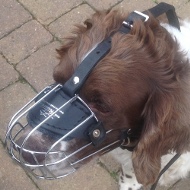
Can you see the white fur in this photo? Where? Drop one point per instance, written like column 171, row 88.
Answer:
column 60, row 166
column 181, row 168
column 125, row 181
column 182, row 37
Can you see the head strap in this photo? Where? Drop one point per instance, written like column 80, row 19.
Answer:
column 162, row 8
column 73, row 85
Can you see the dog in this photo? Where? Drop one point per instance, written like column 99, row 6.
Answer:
column 142, row 84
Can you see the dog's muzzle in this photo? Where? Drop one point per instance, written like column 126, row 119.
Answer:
column 53, row 113
column 59, row 113
column 58, row 118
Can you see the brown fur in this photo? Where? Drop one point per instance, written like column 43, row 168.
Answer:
column 142, row 83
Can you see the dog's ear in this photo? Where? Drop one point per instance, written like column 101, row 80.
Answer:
column 64, row 69
column 152, row 145
column 83, row 39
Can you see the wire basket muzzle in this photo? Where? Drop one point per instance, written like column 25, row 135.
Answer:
column 60, row 121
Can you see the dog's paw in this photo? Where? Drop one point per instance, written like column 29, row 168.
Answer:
column 129, row 182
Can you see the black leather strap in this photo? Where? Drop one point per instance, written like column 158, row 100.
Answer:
column 128, row 23
column 156, row 11
column 59, row 124
column 153, row 187
column 72, row 87
column 162, row 8
column 86, row 66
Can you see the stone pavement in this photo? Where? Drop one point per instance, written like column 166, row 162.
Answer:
column 30, row 31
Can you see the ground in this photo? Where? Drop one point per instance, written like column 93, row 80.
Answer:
column 29, row 34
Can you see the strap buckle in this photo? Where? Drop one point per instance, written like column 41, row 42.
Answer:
column 146, row 17
column 134, row 15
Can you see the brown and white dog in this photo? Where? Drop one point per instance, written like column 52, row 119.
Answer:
column 143, row 83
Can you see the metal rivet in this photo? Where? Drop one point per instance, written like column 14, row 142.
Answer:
column 96, row 133
column 129, row 132
column 76, row 80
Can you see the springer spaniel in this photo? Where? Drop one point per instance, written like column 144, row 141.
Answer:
column 142, row 84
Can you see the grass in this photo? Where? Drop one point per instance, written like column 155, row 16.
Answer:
column 113, row 174
column 155, row 1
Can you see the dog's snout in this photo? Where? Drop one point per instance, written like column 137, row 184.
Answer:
column 31, row 151
column 33, row 148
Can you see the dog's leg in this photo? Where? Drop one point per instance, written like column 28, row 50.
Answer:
column 180, row 169
column 127, row 179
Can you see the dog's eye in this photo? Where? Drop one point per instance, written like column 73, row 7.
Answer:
column 100, row 105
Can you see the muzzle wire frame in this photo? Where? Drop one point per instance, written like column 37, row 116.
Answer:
column 47, row 169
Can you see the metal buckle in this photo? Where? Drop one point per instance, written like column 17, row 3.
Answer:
column 129, row 24
column 143, row 15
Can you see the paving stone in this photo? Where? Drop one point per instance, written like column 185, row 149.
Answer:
column 182, row 185
column 6, row 70
column 183, row 11
column 12, row 99
column 12, row 176
column 179, row 185
column 38, row 68
column 175, row 3
column 46, row 11
column 131, row 5
column 182, row 7
column 101, row 5
column 63, row 26
column 24, row 41
column 90, row 177
column 110, row 163
column 12, row 15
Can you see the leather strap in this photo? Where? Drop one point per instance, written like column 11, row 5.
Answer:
column 162, row 8
column 156, row 11
column 153, row 187
column 86, row 66
column 73, row 85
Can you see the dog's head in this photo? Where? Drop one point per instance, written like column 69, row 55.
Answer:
column 139, row 85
